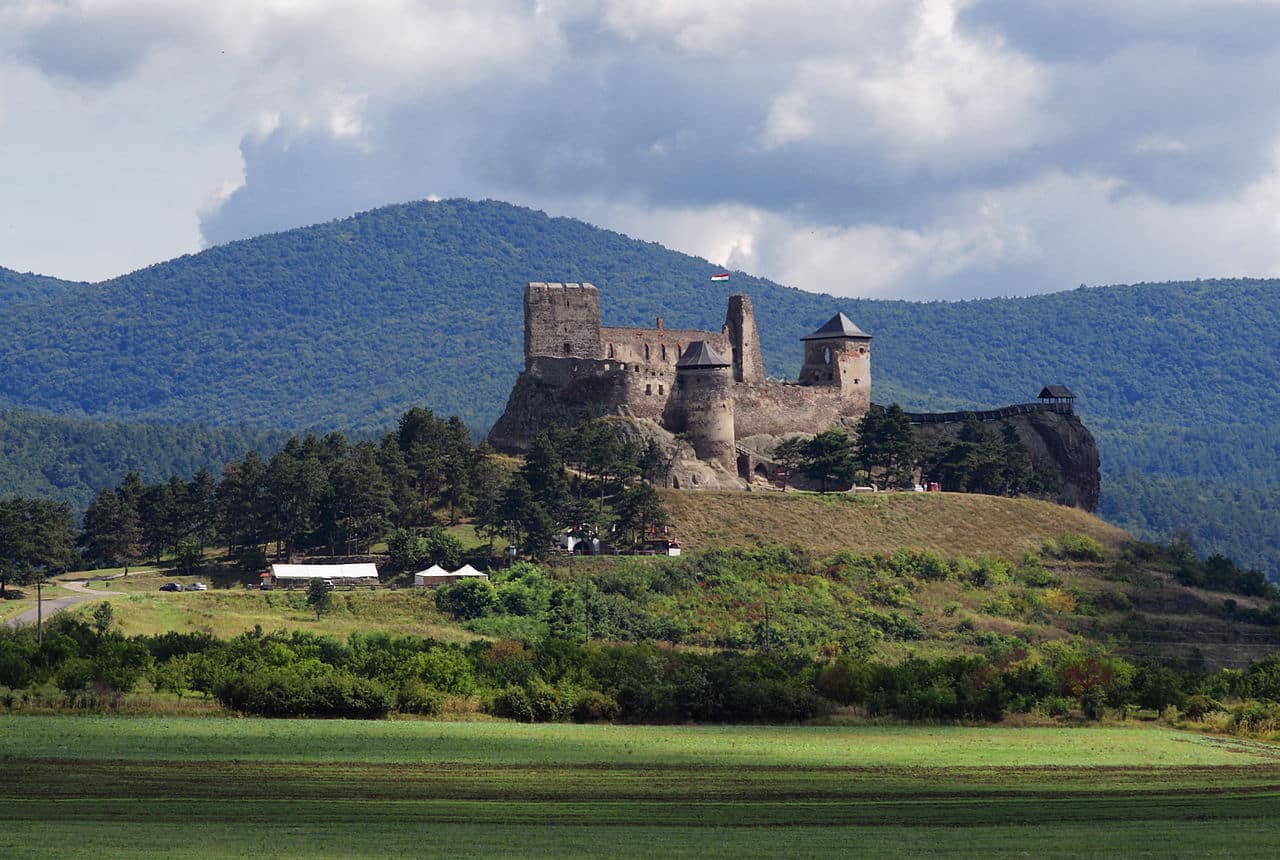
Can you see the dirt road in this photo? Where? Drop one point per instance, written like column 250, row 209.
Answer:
column 60, row 603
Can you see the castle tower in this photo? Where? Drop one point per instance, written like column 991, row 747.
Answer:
column 748, row 364
column 561, row 321
column 839, row 355
column 704, row 399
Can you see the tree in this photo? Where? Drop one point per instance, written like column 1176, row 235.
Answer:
column 155, row 519
column 829, row 457
column 789, row 454
column 189, row 554
column 36, row 540
column 640, row 511
column 103, row 616
column 887, row 446
column 111, row 534
column 319, row 596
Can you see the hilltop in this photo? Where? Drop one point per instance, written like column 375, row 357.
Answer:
column 21, row 287
column 343, row 325
column 890, row 574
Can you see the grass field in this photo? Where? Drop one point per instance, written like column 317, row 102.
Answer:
column 947, row 523
column 208, row 787
column 229, row 612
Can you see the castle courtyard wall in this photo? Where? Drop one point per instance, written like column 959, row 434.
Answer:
column 778, row 408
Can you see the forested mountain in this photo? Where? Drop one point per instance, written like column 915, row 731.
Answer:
column 17, row 287
column 345, row 325
column 68, row 459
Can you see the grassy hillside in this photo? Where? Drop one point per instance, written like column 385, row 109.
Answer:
column 892, row 575
column 946, row 523
column 346, row 324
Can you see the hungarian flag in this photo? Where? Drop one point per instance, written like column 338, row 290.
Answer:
column 723, row 276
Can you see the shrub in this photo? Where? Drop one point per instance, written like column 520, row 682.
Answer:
column 593, row 706
column 536, row 702
column 1081, row 548
column 470, row 598
column 415, row 697
column 1059, row 706
column 1198, row 707
column 1255, row 718
column 1060, row 600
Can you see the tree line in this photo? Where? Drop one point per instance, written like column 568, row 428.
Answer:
column 327, row 495
column 886, row 450
column 293, row 674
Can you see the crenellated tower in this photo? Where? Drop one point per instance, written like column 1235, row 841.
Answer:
column 561, row 321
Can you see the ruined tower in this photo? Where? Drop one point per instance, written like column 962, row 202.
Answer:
column 839, row 355
column 561, row 321
column 744, row 340
column 703, row 403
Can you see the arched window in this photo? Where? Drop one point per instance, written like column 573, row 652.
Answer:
column 663, row 350
column 826, row 355
column 646, row 352
column 611, row 350
column 568, row 348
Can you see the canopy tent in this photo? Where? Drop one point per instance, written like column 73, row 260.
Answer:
column 365, row 573
column 437, row 575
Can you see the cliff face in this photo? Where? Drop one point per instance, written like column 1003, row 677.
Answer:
column 1059, row 444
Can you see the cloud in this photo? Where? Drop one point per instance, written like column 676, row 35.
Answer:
column 939, row 148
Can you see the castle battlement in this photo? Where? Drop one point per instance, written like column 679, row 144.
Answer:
column 576, row 368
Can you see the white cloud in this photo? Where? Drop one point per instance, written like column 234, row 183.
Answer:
column 942, row 97
column 925, row 149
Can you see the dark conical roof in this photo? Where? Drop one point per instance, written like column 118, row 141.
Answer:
column 838, row 326
column 701, row 354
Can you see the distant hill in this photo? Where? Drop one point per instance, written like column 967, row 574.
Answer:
column 17, row 287
column 71, row 459
column 346, row 324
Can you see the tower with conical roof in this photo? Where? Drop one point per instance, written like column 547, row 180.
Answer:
column 702, row 405
column 839, row 355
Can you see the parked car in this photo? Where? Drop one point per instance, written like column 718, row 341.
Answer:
column 328, row 583
column 171, row 586
column 197, row 586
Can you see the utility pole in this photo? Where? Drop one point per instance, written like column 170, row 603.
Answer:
column 39, row 610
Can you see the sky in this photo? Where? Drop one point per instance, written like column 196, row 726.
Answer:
column 935, row 149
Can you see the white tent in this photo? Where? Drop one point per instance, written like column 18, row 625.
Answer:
column 437, row 575
column 351, row 574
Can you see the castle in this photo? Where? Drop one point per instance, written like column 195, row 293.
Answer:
column 709, row 387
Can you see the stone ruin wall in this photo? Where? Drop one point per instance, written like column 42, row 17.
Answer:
column 779, row 408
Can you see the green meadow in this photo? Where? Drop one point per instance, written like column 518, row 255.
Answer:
column 103, row 786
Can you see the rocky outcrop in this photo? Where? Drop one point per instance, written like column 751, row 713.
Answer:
column 1057, row 442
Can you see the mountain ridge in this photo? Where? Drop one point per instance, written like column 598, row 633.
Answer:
column 345, row 324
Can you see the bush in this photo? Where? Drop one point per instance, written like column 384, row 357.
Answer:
column 1198, row 707
column 1081, row 548
column 536, row 702
column 415, row 697
column 309, row 689
column 471, row 598
column 594, row 706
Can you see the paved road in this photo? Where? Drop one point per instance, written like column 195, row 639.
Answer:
column 60, row 603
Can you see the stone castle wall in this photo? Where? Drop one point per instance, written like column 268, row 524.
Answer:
column 657, row 347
